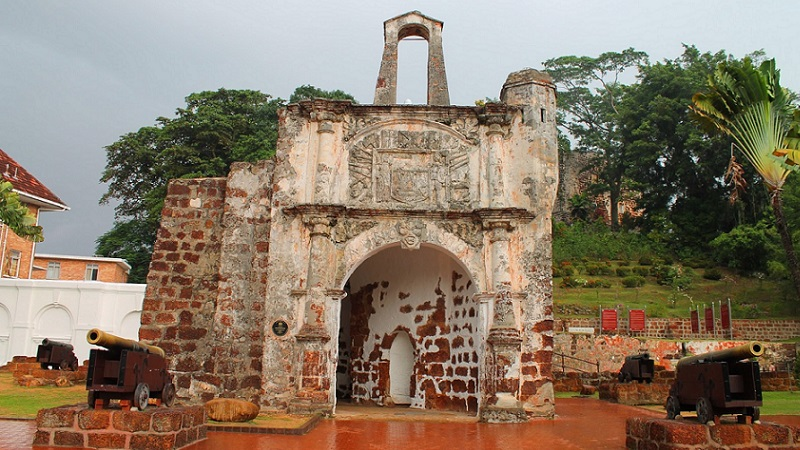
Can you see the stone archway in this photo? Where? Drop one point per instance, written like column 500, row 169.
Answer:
column 426, row 294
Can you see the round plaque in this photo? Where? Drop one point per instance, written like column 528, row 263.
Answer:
column 280, row 327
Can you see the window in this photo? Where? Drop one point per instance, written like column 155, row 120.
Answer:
column 13, row 263
column 92, row 271
column 53, row 270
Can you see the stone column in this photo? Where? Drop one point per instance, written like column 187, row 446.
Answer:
column 314, row 393
column 504, row 339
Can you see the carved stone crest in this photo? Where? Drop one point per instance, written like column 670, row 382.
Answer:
column 398, row 167
column 412, row 233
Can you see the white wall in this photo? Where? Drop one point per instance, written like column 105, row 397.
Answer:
column 31, row 310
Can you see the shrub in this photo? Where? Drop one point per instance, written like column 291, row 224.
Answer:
column 777, row 271
column 606, row 270
column 713, row 274
column 646, row 260
column 633, row 281
column 569, row 282
column 592, row 269
column 623, row 271
column 624, row 263
column 668, row 275
column 599, row 283
column 747, row 248
column 641, row 271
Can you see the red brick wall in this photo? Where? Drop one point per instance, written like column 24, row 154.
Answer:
column 183, row 283
column 678, row 328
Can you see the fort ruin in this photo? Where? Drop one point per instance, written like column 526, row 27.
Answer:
column 389, row 254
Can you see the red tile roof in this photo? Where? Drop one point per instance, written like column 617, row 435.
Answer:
column 27, row 185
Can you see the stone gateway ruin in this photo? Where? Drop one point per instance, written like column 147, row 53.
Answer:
column 388, row 255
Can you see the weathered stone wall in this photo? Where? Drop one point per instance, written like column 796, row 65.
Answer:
column 183, row 284
column 679, row 328
column 611, row 351
column 238, row 327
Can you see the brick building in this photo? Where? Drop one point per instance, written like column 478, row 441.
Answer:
column 388, row 254
column 80, row 268
column 16, row 253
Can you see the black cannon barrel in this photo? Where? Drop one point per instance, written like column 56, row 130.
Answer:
column 749, row 350
column 110, row 341
column 51, row 343
column 637, row 357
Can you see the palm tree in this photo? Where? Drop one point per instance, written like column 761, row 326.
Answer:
column 748, row 103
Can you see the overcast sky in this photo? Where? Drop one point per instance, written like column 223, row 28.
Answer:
column 75, row 75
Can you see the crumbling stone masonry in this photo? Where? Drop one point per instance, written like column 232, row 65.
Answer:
column 389, row 254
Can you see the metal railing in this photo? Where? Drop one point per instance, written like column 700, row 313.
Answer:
column 564, row 365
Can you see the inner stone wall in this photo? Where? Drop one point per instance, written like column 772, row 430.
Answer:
column 426, row 294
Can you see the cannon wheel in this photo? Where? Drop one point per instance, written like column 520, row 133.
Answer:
column 705, row 412
column 673, row 407
column 63, row 365
column 74, row 365
column 755, row 413
column 140, row 396
column 168, row 394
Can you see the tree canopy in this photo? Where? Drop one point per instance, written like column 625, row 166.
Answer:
column 589, row 106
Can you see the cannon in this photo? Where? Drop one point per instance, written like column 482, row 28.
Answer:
column 130, row 371
column 52, row 354
column 637, row 367
column 717, row 383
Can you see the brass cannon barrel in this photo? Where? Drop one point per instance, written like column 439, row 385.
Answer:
column 110, row 341
column 739, row 353
column 51, row 343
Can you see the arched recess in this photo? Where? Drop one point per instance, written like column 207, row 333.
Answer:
column 468, row 256
column 53, row 322
column 427, row 295
column 401, row 368
column 5, row 333
column 129, row 326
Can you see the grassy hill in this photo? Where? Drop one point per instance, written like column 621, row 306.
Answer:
column 666, row 290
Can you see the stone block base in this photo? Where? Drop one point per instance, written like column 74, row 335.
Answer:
column 634, row 393
column 663, row 434
column 29, row 373
column 155, row 428
column 494, row 414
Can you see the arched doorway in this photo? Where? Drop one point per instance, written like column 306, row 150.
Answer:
column 401, row 368
column 426, row 298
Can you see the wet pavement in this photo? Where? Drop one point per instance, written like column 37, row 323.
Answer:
column 582, row 423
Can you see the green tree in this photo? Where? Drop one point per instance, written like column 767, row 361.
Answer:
column 16, row 215
column 748, row 104
column 308, row 92
column 215, row 129
column 677, row 168
column 589, row 99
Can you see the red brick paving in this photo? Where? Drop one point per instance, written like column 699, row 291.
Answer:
column 581, row 424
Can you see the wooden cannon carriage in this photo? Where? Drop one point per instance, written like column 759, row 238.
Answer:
column 130, row 371
column 637, row 368
column 717, row 383
column 52, row 354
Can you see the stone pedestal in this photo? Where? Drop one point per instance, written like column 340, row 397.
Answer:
column 78, row 426
column 634, row 393
column 647, row 433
